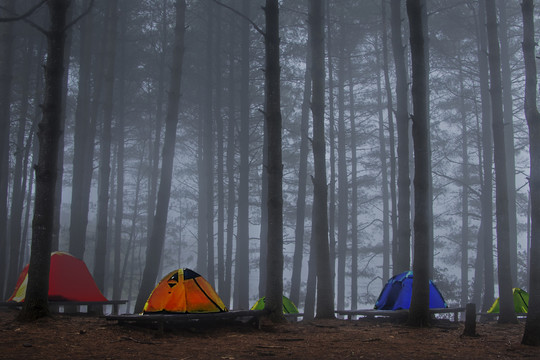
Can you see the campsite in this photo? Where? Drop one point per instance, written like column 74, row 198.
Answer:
column 82, row 337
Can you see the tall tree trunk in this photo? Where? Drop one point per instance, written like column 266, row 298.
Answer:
column 419, row 310
column 49, row 132
column 507, row 314
column 384, row 170
column 156, row 145
column 208, row 143
column 155, row 242
column 486, row 225
column 83, row 143
column 531, row 335
column 343, row 183
column 354, row 193
column 464, row 192
column 231, row 188
column 60, row 166
column 299, row 231
column 242, row 246
column 274, row 271
column 332, row 138
column 220, row 156
column 6, row 70
column 105, row 147
column 508, row 112
column 263, row 247
column 325, row 293
column 401, row 256
column 390, row 112
column 120, row 136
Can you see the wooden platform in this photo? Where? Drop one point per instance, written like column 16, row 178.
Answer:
column 65, row 305
column 162, row 320
column 402, row 313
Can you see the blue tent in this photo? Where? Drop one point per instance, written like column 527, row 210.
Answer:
column 397, row 292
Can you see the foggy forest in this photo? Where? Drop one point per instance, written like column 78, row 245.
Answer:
column 317, row 163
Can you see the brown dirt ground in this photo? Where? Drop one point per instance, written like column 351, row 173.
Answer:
column 86, row 337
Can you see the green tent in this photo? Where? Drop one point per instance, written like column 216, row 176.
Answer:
column 288, row 306
column 521, row 302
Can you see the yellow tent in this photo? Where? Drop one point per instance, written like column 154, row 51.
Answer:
column 184, row 291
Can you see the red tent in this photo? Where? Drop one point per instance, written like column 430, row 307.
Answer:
column 69, row 280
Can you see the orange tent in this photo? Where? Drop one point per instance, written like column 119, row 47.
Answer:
column 184, row 291
column 69, row 280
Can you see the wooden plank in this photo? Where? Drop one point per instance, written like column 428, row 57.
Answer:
column 250, row 316
column 397, row 313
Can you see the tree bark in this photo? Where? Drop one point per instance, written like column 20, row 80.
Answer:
column 485, row 236
column 49, row 132
column 401, row 257
column 390, row 112
column 273, row 122
column 531, row 335
column 102, row 231
column 383, row 157
column 299, row 231
column 343, row 184
column 83, row 143
column 242, row 246
column 508, row 113
column 507, row 314
column 464, row 193
column 120, row 136
column 354, row 193
column 325, row 293
column 6, row 70
column 156, row 240
column 419, row 310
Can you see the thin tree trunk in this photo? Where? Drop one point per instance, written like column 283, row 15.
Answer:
column 155, row 242
column 299, row 231
column 390, row 112
column 6, row 70
column 531, row 335
column 120, row 136
column 208, row 154
column 156, row 145
column 83, row 143
column 354, row 194
column 487, row 147
column 507, row 314
column 242, row 245
column 49, row 132
column 105, row 147
column 402, row 258
column 464, row 193
column 508, row 112
column 384, row 169
column 231, row 188
column 419, row 310
column 220, row 156
column 325, row 293
column 343, row 183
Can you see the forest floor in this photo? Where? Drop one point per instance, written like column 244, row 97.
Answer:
column 86, row 337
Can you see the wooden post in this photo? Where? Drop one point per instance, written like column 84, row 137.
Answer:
column 470, row 320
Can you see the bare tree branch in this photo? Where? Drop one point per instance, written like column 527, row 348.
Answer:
column 83, row 14
column 255, row 26
column 23, row 16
